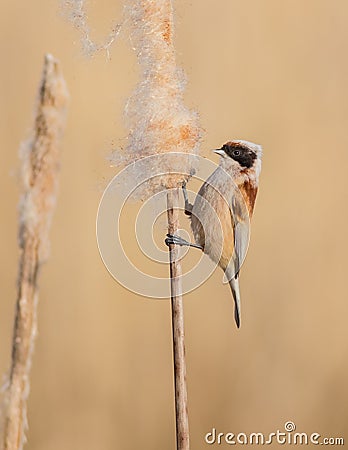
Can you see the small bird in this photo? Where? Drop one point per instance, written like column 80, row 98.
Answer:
column 220, row 215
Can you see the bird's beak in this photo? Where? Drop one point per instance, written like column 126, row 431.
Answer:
column 220, row 152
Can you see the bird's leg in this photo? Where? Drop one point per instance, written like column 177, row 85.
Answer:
column 188, row 205
column 177, row 240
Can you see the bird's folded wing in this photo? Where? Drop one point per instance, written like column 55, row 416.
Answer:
column 241, row 230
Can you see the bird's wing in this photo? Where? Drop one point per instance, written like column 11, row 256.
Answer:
column 241, row 230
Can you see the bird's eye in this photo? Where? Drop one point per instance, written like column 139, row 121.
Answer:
column 236, row 152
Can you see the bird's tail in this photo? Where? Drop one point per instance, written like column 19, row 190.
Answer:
column 234, row 285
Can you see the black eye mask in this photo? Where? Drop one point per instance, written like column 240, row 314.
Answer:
column 246, row 157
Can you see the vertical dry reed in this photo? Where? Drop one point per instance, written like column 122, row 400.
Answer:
column 40, row 166
column 160, row 124
column 181, row 410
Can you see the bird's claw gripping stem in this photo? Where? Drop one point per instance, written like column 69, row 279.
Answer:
column 172, row 239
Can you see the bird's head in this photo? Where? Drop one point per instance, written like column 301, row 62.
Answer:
column 241, row 157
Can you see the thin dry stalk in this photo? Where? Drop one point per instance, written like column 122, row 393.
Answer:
column 160, row 124
column 40, row 166
column 181, row 411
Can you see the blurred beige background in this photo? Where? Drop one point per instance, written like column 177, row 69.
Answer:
column 268, row 71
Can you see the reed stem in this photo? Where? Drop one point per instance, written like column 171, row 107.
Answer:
column 177, row 311
column 40, row 157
